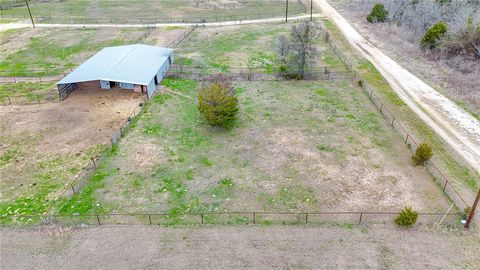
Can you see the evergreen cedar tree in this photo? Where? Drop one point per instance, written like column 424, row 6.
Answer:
column 217, row 102
column 378, row 14
column 433, row 34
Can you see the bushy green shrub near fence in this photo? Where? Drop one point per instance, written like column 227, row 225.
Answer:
column 407, row 217
column 423, row 153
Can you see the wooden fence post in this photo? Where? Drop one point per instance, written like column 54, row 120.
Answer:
column 98, row 220
column 254, row 218
column 360, row 219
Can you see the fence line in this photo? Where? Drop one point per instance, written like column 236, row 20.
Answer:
column 178, row 69
column 359, row 218
column 437, row 174
column 28, row 99
column 253, row 76
column 156, row 20
column 181, row 38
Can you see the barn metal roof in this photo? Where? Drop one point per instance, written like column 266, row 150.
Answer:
column 135, row 64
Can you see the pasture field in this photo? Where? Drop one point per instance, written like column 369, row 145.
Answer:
column 223, row 49
column 44, row 52
column 465, row 179
column 297, row 146
column 164, row 9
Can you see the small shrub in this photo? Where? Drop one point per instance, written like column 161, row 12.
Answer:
column 433, row 35
column 294, row 76
column 407, row 217
column 423, row 153
column 466, row 212
column 378, row 14
column 218, row 103
column 360, row 83
column 282, row 69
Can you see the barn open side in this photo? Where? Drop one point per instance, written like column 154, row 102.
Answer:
column 135, row 67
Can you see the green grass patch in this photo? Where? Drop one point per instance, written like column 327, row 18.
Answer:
column 290, row 197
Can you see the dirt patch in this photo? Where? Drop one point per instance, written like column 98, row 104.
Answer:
column 58, row 136
column 275, row 247
column 164, row 36
column 142, row 157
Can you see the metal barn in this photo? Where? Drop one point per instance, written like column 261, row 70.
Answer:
column 132, row 67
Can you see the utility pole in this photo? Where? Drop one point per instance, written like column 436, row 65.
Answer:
column 30, row 12
column 311, row 10
column 286, row 12
column 472, row 211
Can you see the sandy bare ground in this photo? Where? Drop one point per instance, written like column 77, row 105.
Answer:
column 276, row 247
column 456, row 126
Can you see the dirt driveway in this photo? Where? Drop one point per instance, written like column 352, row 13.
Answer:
column 456, row 126
column 272, row 247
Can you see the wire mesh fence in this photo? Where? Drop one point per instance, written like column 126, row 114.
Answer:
column 361, row 218
column 49, row 19
column 257, row 74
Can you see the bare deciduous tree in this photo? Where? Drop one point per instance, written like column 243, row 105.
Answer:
column 301, row 46
column 283, row 49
